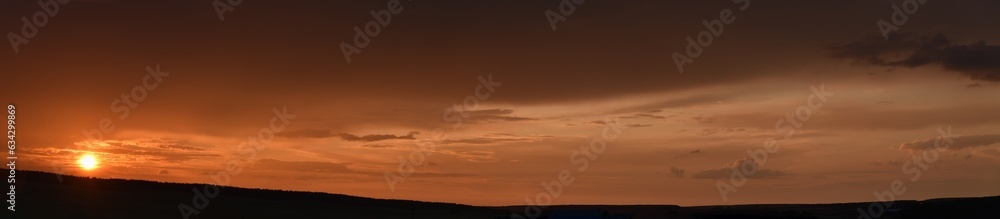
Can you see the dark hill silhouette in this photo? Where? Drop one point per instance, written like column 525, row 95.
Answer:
column 42, row 195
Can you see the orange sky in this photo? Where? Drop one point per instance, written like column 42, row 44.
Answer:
column 220, row 82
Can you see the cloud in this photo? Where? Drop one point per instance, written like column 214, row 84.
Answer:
column 496, row 138
column 494, row 115
column 959, row 143
column 727, row 171
column 471, row 156
column 152, row 149
column 704, row 119
column 881, row 118
column 676, row 172
column 684, row 101
column 991, row 154
column 370, row 138
column 180, row 147
column 712, row 131
column 595, row 122
column 164, row 172
column 643, row 115
column 318, row 133
column 689, row 153
column 976, row 60
column 501, row 118
column 378, row 146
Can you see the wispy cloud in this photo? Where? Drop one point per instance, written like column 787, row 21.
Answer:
column 318, row 133
column 960, row 142
column 676, row 172
column 977, row 60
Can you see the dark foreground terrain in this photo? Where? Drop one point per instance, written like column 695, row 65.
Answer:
column 42, row 195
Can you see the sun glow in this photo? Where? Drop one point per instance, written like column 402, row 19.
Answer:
column 87, row 162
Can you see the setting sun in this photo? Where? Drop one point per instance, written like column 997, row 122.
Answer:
column 87, row 162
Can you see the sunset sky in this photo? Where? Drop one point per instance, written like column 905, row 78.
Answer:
column 221, row 80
